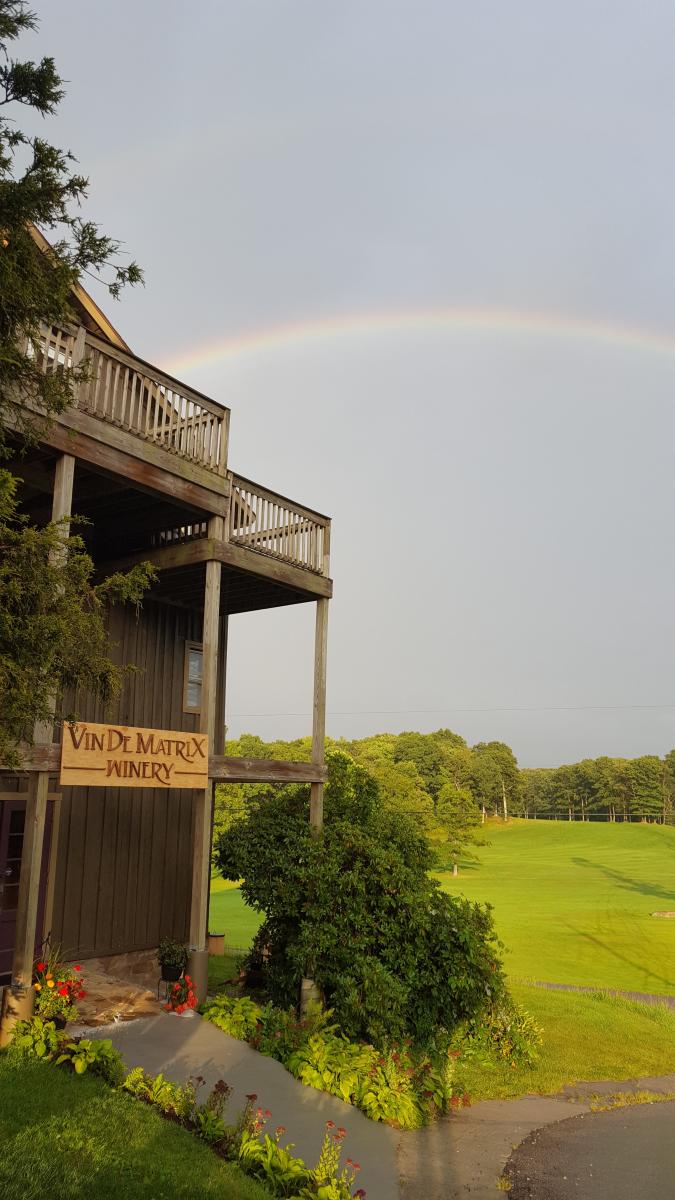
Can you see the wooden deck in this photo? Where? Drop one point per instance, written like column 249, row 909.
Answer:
column 132, row 421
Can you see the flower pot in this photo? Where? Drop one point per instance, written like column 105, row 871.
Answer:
column 171, row 974
column 217, row 944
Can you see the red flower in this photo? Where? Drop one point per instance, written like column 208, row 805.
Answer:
column 41, row 966
column 341, row 1132
column 252, row 1097
column 78, row 967
column 330, row 1124
column 267, row 1112
column 279, row 1130
column 82, row 995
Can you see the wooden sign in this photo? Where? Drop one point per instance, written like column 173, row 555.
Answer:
column 123, row 756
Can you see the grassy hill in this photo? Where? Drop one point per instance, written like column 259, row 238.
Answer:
column 572, row 902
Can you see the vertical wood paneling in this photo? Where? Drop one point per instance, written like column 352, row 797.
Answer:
column 123, row 874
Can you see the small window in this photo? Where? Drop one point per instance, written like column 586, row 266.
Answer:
column 192, row 681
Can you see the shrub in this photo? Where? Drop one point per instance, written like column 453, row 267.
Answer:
column 504, row 1031
column 172, row 954
column 35, row 1038
column 57, row 987
column 98, row 1056
column 401, row 1086
column 392, row 953
column 238, row 1017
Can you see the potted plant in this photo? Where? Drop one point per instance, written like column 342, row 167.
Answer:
column 57, row 987
column 172, row 958
column 181, row 996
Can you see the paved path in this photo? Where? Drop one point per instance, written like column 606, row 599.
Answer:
column 459, row 1158
column 465, row 1155
column 625, row 1154
column 181, row 1046
column 642, row 997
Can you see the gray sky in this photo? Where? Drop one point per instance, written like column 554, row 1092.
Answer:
column 503, row 498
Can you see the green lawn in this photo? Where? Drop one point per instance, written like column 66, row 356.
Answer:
column 229, row 915
column 68, row 1136
column 586, row 1037
column 572, row 901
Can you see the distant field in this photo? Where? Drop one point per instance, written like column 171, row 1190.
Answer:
column 229, row 915
column 571, row 902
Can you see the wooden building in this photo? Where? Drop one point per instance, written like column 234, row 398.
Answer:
column 145, row 459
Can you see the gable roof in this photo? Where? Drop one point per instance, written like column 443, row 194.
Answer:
column 92, row 317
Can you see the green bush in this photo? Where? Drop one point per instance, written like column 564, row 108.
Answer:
column 35, row 1038
column 505, row 1032
column 356, row 910
column 401, row 1086
column 97, row 1056
column 238, row 1016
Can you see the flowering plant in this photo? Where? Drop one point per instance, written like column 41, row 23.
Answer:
column 181, row 995
column 57, row 987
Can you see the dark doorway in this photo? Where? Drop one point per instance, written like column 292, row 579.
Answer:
column 12, row 820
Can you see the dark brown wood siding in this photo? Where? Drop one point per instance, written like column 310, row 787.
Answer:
column 123, row 873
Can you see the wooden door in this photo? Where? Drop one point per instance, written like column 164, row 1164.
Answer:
column 12, row 818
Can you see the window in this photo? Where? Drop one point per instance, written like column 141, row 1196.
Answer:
column 192, row 679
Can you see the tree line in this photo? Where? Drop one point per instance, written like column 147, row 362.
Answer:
column 451, row 786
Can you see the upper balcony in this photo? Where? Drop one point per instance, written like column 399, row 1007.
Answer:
column 129, row 418
column 129, row 394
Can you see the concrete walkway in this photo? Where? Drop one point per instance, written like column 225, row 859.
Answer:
column 184, row 1046
column 465, row 1155
column 460, row 1156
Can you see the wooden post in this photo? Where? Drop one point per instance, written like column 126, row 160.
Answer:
column 309, row 992
column 319, row 712
column 201, row 854
column 18, row 1000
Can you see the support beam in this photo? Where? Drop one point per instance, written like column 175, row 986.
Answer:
column 221, row 768
column 319, row 711
column 261, row 770
column 201, row 861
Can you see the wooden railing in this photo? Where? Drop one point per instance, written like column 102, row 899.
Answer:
column 130, row 394
column 264, row 521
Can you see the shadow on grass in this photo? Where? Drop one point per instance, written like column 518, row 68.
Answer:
column 637, row 966
column 626, row 882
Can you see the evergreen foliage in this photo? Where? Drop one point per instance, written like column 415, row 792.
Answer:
column 52, row 616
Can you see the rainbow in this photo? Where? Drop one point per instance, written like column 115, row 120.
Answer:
column 452, row 320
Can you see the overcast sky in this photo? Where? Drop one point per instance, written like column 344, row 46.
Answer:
column 503, row 494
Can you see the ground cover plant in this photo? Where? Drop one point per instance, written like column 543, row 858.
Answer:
column 243, row 1141
column 399, row 1084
